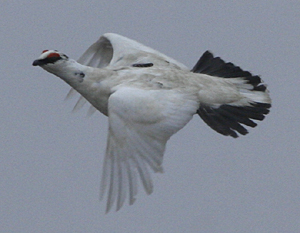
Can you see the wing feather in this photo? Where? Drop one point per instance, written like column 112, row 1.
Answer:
column 132, row 181
column 80, row 103
column 123, row 182
column 140, row 123
column 113, row 186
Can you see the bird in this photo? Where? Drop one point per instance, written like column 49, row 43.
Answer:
column 147, row 97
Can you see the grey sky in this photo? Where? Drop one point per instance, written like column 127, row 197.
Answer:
column 51, row 159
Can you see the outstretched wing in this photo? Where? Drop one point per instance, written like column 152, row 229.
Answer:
column 115, row 50
column 140, row 123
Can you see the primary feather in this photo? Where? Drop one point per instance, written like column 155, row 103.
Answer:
column 148, row 97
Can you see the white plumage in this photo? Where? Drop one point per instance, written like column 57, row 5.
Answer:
column 148, row 97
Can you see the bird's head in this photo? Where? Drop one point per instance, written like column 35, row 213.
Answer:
column 60, row 65
column 53, row 61
column 50, row 57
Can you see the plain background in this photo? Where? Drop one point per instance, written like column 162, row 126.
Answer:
column 51, row 159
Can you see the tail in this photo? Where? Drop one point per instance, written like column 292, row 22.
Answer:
column 229, row 119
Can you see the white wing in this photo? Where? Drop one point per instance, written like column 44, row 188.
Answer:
column 115, row 50
column 140, row 123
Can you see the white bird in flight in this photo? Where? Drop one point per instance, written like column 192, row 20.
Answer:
column 148, row 97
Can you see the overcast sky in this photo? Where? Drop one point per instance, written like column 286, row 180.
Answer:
column 51, row 158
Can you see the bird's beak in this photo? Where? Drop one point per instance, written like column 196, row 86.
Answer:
column 36, row 63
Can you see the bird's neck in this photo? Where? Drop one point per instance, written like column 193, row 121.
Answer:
column 68, row 70
column 76, row 74
column 88, row 81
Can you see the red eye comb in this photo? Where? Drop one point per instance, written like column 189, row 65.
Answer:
column 53, row 55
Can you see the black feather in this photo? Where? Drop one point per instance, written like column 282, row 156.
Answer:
column 143, row 65
column 215, row 66
column 228, row 120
